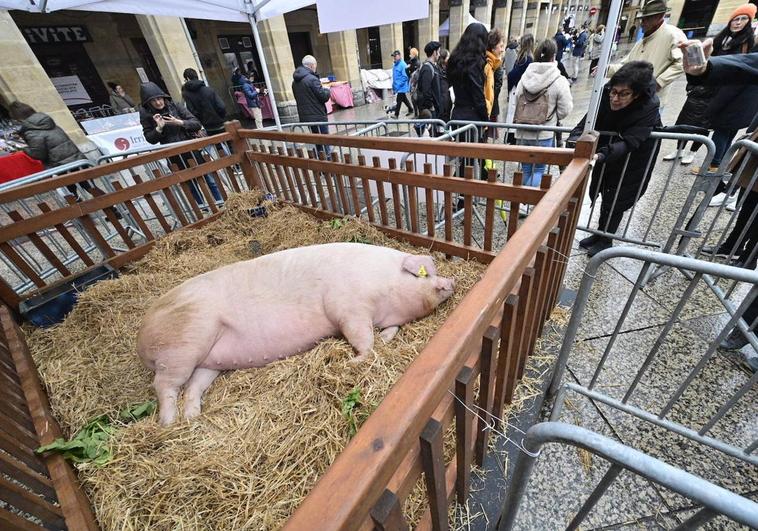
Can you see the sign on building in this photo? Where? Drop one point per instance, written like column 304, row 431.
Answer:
column 56, row 34
column 71, row 90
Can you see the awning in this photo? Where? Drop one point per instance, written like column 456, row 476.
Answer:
column 445, row 26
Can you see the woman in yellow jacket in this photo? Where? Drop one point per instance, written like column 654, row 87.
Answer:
column 493, row 72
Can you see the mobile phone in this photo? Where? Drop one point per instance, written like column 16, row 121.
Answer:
column 695, row 54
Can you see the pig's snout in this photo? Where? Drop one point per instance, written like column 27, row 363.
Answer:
column 445, row 287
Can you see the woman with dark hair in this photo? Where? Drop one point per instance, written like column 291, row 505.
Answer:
column 629, row 108
column 542, row 79
column 465, row 72
column 121, row 102
column 447, row 102
column 523, row 60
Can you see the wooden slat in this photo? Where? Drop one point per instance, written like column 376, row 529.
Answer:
column 168, row 192
column 513, row 215
column 558, row 262
column 486, row 392
column 110, row 214
column 21, row 419
column 154, row 207
column 21, row 264
column 205, row 190
column 367, row 192
column 468, row 208
column 305, row 175
column 489, row 213
column 552, row 267
column 11, row 522
column 22, row 452
column 286, row 178
column 8, row 296
column 42, row 247
column 338, row 178
column 429, row 202
column 330, row 187
column 412, row 205
column 29, row 478
column 297, row 178
column 522, row 318
column 188, row 197
column 217, row 178
column 541, row 279
column 387, row 513
column 73, row 503
column 318, row 182
column 448, row 170
column 433, row 460
column 464, row 392
column 239, row 146
column 353, row 190
column 25, row 501
column 270, row 177
column 396, row 198
column 380, row 193
column 136, row 215
column 524, row 154
column 63, row 231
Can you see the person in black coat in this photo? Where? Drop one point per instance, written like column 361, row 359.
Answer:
column 465, row 72
column 311, row 98
column 629, row 108
column 203, row 102
column 446, row 104
column 429, row 98
column 166, row 122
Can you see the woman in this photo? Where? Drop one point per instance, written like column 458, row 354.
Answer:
column 121, row 103
column 510, row 56
column 252, row 97
column 493, row 76
column 728, row 108
column 45, row 141
column 447, row 102
column 166, row 122
column 540, row 77
column 597, row 46
column 629, row 108
column 413, row 65
column 523, row 60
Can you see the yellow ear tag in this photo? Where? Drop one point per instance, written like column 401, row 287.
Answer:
column 422, row 272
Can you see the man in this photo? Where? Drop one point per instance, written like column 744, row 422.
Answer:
column 560, row 42
column 311, row 98
column 400, row 83
column 659, row 46
column 203, row 102
column 428, row 97
column 580, row 44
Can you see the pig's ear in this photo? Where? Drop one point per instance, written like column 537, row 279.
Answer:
column 420, row 266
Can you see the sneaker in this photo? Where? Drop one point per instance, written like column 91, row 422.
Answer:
column 409, row 113
column 734, row 341
column 722, row 198
column 601, row 245
column 688, row 159
column 588, row 242
column 523, row 210
column 696, row 170
column 673, row 155
column 721, row 252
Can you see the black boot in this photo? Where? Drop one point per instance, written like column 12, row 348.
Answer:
column 589, row 241
column 602, row 244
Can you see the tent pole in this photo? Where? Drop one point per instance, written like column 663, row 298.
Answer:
column 194, row 49
column 254, row 26
column 605, row 58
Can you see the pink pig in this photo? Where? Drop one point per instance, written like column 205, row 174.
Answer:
column 252, row 313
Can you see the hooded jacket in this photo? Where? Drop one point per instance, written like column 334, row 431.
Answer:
column 733, row 106
column 560, row 43
column 400, row 80
column 252, row 98
column 309, row 95
column 580, row 44
column 546, row 76
column 630, row 128
column 597, row 45
column 47, row 142
column 509, row 57
column 203, row 102
column 170, row 133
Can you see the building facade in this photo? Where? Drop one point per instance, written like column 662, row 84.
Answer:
column 74, row 54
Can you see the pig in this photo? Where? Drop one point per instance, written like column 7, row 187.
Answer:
column 252, row 313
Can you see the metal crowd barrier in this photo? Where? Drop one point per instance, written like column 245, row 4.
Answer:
column 657, row 390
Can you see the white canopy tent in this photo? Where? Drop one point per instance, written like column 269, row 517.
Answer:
column 334, row 15
column 445, row 26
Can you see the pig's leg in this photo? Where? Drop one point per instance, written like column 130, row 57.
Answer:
column 389, row 333
column 359, row 332
column 193, row 392
column 167, row 382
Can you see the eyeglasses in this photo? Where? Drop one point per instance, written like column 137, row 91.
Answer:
column 741, row 18
column 621, row 94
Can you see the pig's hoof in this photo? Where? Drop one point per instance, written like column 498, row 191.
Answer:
column 388, row 334
column 191, row 412
column 357, row 360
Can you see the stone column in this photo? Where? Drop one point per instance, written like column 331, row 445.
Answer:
column 391, row 39
column 556, row 19
column 343, row 50
column 23, row 78
column 483, row 11
column 278, row 54
column 429, row 28
column 459, row 11
column 169, row 45
column 517, row 18
column 503, row 16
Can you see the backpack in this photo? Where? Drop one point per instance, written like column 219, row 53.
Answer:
column 532, row 109
column 414, row 82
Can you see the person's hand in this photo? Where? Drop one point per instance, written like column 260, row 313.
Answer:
column 173, row 121
column 696, row 70
column 593, row 71
column 160, row 123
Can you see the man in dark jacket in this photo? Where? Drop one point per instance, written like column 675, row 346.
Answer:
column 166, row 122
column 203, row 102
column 311, row 97
column 560, row 42
column 429, row 99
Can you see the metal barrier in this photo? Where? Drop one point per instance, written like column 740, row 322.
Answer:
column 653, row 388
column 714, row 499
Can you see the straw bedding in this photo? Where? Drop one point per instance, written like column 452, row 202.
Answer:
column 265, row 435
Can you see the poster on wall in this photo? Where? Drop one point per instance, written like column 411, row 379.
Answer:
column 71, row 90
column 119, row 140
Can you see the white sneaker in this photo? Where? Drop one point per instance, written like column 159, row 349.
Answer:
column 672, row 155
column 688, row 159
column 722, row 198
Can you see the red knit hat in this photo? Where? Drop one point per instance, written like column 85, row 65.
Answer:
column 745, row 9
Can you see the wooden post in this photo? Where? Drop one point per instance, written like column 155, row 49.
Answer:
column 433, row 462
column 239, row 147
column 387, row 514
column 486, row 392
column 506, row 355
column 464, row 391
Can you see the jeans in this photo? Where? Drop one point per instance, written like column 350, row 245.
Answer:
column 323, row 130
column 197, row 195
column 723, row 139
column 401, row 98
column 533, row 172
